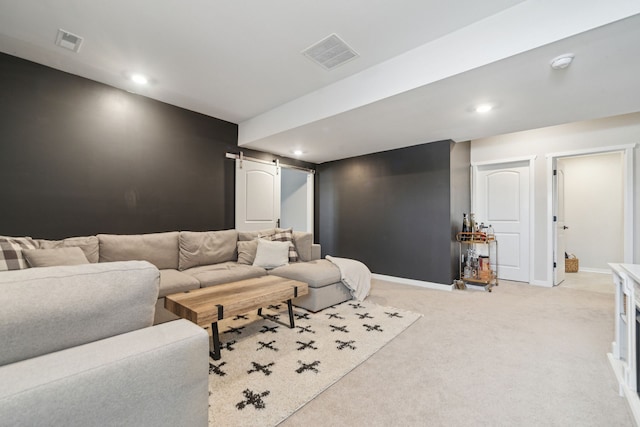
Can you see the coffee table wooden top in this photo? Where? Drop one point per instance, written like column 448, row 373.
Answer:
column 205, row 306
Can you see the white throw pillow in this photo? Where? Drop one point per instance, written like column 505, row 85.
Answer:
column 271, row 254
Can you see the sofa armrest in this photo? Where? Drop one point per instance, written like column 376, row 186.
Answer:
column 48, row 309
column 316, row 251
column 156, row 376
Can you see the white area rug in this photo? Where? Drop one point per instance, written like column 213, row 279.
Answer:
column 268, row 371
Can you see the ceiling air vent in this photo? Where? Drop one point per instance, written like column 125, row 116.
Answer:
column 330, row 52
column 68, row 40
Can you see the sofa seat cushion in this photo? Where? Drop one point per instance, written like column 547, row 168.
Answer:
column 210, row 275
column 173, row 281
column 316, row 274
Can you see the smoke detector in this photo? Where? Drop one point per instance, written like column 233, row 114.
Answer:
column 330, row 52
column 561, row 62
column 68, row 40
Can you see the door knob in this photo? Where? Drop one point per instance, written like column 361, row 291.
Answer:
column 564, row 227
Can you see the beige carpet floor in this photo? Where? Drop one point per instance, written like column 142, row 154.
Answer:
column 521, row 355
column 268, row 371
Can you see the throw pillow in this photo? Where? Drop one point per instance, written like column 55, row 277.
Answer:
column 88, row 244
column 271, row 254
column 303, row 242
column 284, row 235
column 11, row 257
column 247, row 251
column 52, row 257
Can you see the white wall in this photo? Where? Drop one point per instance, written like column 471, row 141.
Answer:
column 293, row 209
column 619, row 130
column 594, row 213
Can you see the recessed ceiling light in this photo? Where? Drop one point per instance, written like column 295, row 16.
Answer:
column 484, row 108
column 561, row 62
column 298, row 152
column 139, row 78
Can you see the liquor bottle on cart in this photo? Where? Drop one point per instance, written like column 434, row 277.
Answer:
column 465, row 226
column 473, row 227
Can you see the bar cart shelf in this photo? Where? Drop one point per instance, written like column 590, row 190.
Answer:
column 482, row 271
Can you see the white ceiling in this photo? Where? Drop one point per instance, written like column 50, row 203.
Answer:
column 423, row 64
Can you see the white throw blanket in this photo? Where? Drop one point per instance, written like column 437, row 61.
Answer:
column 355, row 276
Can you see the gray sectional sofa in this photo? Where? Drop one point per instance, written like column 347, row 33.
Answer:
column 77, row 348
column 190, row 260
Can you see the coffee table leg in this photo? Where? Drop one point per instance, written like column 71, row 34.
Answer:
column 216, row 342
column 269, row 317
column 292, row 325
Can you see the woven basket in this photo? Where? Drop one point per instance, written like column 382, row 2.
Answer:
column 571, row 265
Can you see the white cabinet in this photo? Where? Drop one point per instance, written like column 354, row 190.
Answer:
column 624, row 355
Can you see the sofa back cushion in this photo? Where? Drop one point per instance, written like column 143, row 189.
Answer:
column 52, row 308
column 160, row 249
column 88, row 244
column 207, row 247
column 245, row 236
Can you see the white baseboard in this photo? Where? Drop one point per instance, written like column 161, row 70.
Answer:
column 542, row 283
column 595, row 270
column 412, row 282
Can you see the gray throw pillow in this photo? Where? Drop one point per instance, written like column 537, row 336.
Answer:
column 247, row 251
column 54, row 257
column 303, row 242
column 88, row 244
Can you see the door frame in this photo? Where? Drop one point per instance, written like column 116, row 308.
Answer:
column 531, row 163
column 628, row 209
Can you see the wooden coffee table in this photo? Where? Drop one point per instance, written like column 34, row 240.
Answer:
column 207, row 306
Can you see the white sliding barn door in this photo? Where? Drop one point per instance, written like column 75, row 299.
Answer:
column 501, row 198
column 257, row 195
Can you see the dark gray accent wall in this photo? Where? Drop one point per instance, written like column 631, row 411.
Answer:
column 79, row 157
column 390, row 210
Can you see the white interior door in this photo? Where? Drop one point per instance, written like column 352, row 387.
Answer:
column 501, row 199
column 257, row 195
column 560, row 226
